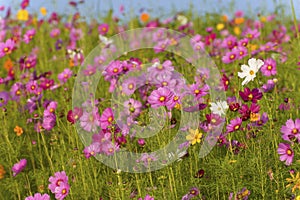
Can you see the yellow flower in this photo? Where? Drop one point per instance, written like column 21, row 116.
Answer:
column 194, row 136
column 18, row 130
column 220, row 26
column 2, row 172
column 295, row 181
column 298, row 197
column 237, row 30
column 23, row 15
column 43, row 11
column 263, row 19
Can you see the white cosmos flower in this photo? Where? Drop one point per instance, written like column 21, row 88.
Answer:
column 219, row 107
column 105, row 40
column 250, row 71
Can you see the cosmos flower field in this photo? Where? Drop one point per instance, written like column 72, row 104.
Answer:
column 182, row 107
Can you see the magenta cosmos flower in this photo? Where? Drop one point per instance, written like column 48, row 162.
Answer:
column 38, row 196
column 251, row 95
column 74, row 115
column 269, row 67
column 57, row 180
column 18, row 167
column 286, row 153
column 160, row 97
column 7, row 47
column 291, row 130
column 106, row 118
column 234, row 125
column 103, row 29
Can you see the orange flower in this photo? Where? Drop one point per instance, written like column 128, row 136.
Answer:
column 43, row 11
column 144, row 17
column 8, row 64
column 18, row 130
column 224, row 18
column 239, row 20
column 2, row 172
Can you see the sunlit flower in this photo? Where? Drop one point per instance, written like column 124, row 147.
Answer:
column 294, row 181
column 23, row 15
column 145, row 17
column 2, row 172
column 219, row 108
column 18, row 130
column 249, row 72
column 43, row 11
column 194, row 137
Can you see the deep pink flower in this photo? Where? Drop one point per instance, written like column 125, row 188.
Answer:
column 24, row 4
column 286, row 153
column 106, row 118
column 18, row 167
column 251, row 95
column 103, row 29
column 234, row 125
column 74, row 115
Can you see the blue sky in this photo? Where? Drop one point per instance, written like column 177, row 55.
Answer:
column 158, row 8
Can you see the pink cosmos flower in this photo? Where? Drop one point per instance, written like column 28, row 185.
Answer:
column 38, row 196
column 57, row 180
column 29, row 35
column 269, row 67
column 89, row 121
column 62, row 191
column 160, row 97
column 92, row 150
column 65, row 75
column 18, row 167
column 103, row 29
column 106, row 118
column 7, row 47
column 229, row 57
column 286, row 153
column 291, row 130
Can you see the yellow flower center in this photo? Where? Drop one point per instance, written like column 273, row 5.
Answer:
column 269, row 67
column 295, row 131
column 289, row 152
column 251, row 72
column 110, row 119
column 162, row 98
